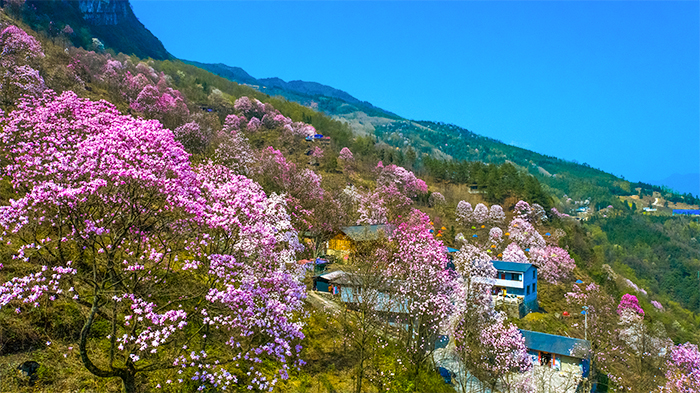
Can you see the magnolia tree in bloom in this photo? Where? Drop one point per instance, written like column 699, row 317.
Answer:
column 192, row 137
column 233, row 150
column 683, row 370
column 258, row 116
column 346, row 159
column 481, row 214
column 18, row 75
column 163, row 103
column 625, row 347
column 422, row 289
column 405, row 181
column 464, row 212
column 436, row 199
column 519, row 240
column 496, row 214
column 391, row 198
column 522, row 210
column 553, row 263
column 184, row 266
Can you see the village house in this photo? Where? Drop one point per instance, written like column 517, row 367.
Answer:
column 348, row 287
column 515, row 285
column 560, row 353
column 342, row 244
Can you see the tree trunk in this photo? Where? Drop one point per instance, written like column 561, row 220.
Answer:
column 360, row 372
column 128, row 382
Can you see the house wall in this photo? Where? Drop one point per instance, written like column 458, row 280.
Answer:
column 339, row 246
column 572, row 365
column 528, row 280
column 561, row 362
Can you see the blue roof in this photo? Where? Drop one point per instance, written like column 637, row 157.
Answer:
column 451, row 250
column 512, row 266
column 686, row 211
column 550, row 343
column 367, row 232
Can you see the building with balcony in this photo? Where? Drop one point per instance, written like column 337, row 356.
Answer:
column 516, row 283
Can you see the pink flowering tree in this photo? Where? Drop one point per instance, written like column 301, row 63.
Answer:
column 496, row 214
column 346, row 154
column 313, row 210
column 629, row 303
column 522, row 210
column 422, row 290
column 513, row 253
column 629, row 350
column 346, row 159
column 232, row 148
column 436, row 199
column 464, row 212
column 405, row 181
column 185, row 267
column 496, row 235
column 683, row 370
column 193, row 137
column 494, row 353
column 481, row 214
column 525, row 234
column 162, row 103
column 537, row 214
column 472, row 295
column 553, row 263
column 18, row 65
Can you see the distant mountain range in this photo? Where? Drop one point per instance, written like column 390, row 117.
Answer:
column 326, row 98
column 684, row 183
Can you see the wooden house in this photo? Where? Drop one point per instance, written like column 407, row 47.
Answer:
column 342, row 244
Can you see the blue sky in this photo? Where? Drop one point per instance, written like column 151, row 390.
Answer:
column 613, row 84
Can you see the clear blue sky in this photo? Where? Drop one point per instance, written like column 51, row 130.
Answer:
column 613, row 84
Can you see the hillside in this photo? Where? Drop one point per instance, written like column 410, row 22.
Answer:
column 159, row 221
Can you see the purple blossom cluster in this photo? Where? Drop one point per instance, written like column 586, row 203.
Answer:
column 683, row 373
column 18, row 73
column 464, row 212
column 553, row 263
column 404, row 181
column 436, row 199
column 259, row 115
column 481, row 214
column 629, row 302
column 127, row 224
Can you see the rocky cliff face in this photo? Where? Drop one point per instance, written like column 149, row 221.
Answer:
column 103, row 12
column 111, row 21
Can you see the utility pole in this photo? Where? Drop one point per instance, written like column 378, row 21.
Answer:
column 585, row 322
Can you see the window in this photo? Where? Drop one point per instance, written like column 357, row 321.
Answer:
column 503, row 275
column 528, row 290
column 534, row 274
column 534, row 287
